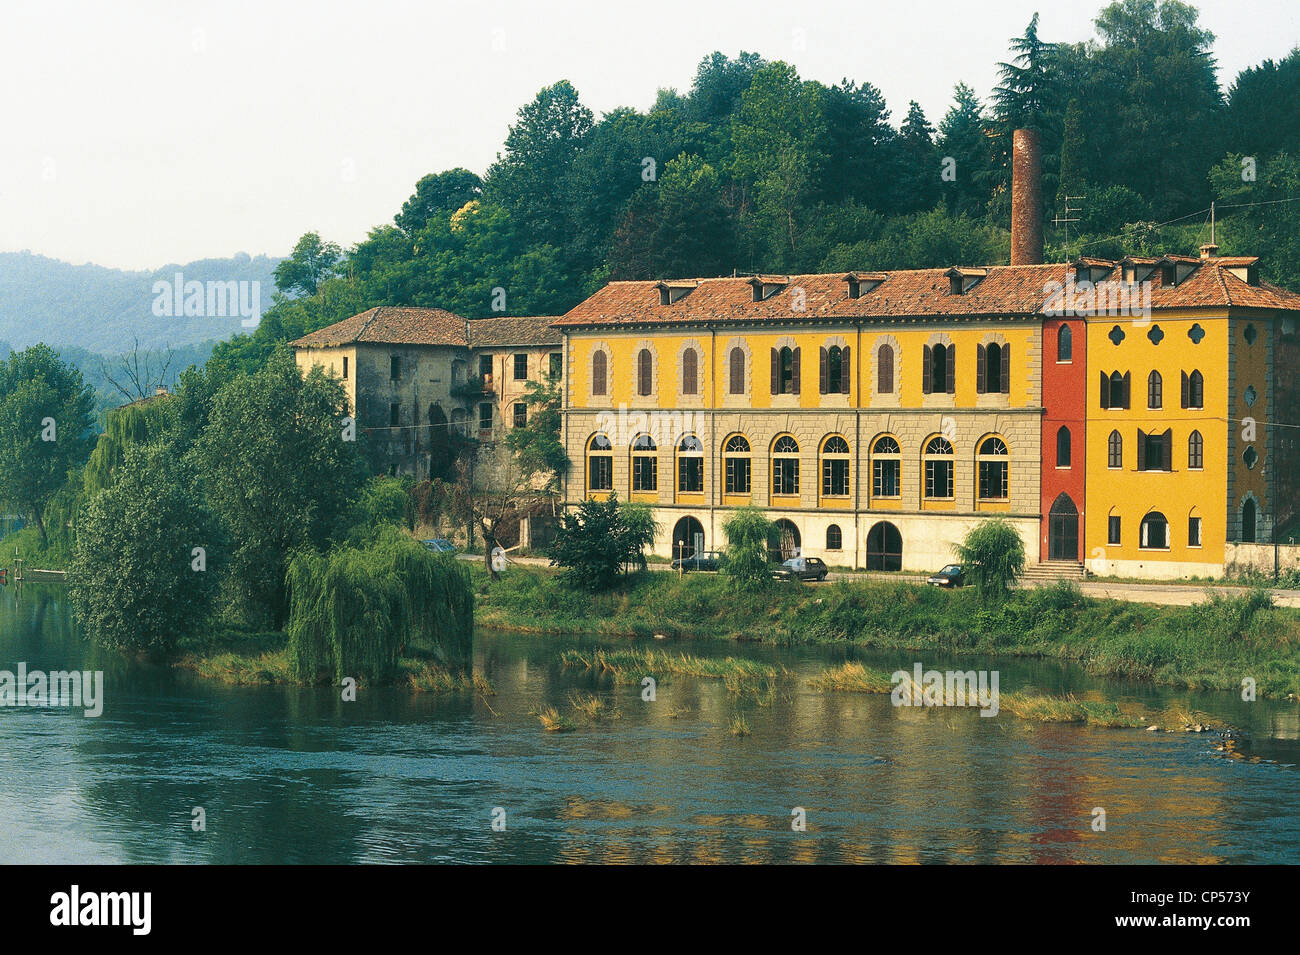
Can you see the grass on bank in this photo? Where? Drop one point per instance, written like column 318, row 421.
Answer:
column 1215, row 644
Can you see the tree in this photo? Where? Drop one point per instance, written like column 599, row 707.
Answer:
column 311, row 263
column 438, row 195
column 750, row 537
column 993, row 554
column 597, row 544
column 278, row 472
column 963, row 136
column 45, row 429
column 536, row 445
column 136, row 579
column 918, row 181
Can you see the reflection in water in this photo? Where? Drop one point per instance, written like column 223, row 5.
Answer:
column 297, row 775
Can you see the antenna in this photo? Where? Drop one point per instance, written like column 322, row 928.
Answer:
column 1065, row 220
column 1212, row 242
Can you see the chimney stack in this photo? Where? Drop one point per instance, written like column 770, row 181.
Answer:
column 1026, row 198
column 1209, row 251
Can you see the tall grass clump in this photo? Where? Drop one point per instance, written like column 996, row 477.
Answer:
column 353, row 610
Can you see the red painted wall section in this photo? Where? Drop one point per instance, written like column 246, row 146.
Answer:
column 1065, row 382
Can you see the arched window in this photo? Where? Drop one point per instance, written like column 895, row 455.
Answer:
column 1115, row 450
column 600, row 464
column 885, row 370
column 1195, row 451
column 645, row 465
column 1114, row 390
column 835, row 376
column 690, row 465
column 992, row 369
column 1194, row 528
column 785, row 466
column 1248, row 521
column 1064, row 344
column 1154, row 533
column 736, row 371
column 834, row 538
column 937, row 377
column 1155, row 390
column 644, row 372
column 835, row 467
column 599, row 371
column 1063, row 447
column 992, row 467
column 736, row 464
column 886, row 467
column 938, row 469
column 785, row 371
column 690, row 372
column 1193, row 390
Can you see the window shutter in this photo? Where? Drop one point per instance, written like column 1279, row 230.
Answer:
column 950, row 366
column 845, row 370
column 1006, row 369
column 927, row 385
column 776, row 372
column 1185, row 395
column 1167, row 450
column 825, row 370
column 1142, row 450
column 1127, row 381
column 979, row 369
column 1105, row 390
column 794, row 373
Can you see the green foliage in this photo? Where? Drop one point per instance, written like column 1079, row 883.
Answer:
column 993, row 555
column 539, row 451
column 132, row 576
column 597, row 544
column 311, row 263
column 750, row 536
column 131, row 425
column 354, row 610
column 385, row 502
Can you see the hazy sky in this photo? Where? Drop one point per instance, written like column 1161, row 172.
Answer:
column 138, row 134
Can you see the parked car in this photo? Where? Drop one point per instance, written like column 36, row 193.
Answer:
column 704, row 560
column 801, row 568
column 950, row 576
column 440, row 545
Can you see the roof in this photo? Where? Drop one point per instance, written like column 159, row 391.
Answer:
column 391, row 325
column 1006, row 291
column 533, row 330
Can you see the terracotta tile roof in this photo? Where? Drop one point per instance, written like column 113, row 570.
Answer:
column 531, row 330
column 392, row 325
column 1005, row 290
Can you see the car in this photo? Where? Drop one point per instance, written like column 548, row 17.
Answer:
column 801, row 568
column 440, row 545
column 950, row 576
column 704, row 560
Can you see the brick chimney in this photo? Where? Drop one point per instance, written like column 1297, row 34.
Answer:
column 1026, row 198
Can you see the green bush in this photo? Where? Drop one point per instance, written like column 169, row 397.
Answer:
column 749, row 536
column 993, row 555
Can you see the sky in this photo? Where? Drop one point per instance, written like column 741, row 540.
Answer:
column 141, row 134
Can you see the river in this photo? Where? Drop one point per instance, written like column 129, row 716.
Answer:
column 298, row 775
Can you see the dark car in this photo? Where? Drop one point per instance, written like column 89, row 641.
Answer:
column 801, row 568
column 704, row 560
column 950, row 576
column 440, row 545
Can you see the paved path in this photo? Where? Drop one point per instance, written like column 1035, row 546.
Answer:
column 1169, row 594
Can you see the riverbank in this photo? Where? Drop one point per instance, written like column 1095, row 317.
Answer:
column 1215, row 644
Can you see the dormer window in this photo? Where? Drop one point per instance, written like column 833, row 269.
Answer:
column 860, row 283
column 672, row 292
column 961, row 281
column 765, row 286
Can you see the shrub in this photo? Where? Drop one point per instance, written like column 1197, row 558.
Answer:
column 749, row 536
column 993, row 554
column 596, row 545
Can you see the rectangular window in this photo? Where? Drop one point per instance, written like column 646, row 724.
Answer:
column 737, row 476
column 394, row 367
column 938, row 479
column 485, row 416
column 835, row 478
column 485, row 366
column 521, row 367
column 1193, row 532
column 690, row 475
column 993, row 480
column 645, row 473
column 394, row 412
column 521, row 414
column 785, row 476
column 601, row 468
column 885, row 479
column 345, row 368
column 556, row 365
column 1112, row 529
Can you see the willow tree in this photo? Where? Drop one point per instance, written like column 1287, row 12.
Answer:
column 354, row 610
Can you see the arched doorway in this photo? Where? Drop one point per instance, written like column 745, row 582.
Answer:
column 884, row 547
column 688, row 537
column 1248, row 521
column 787, row 540
column 1063, row 529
